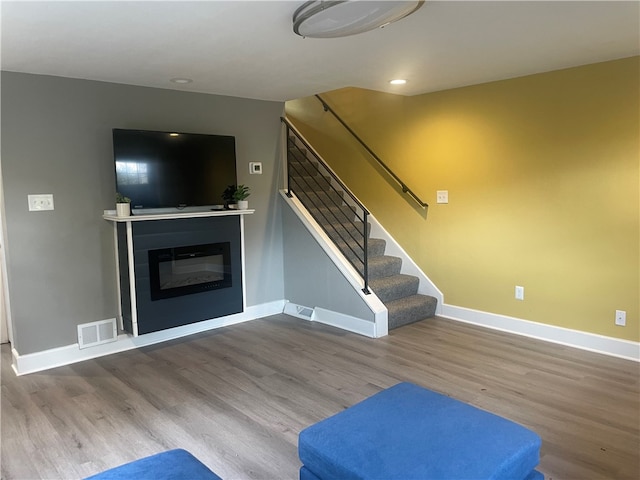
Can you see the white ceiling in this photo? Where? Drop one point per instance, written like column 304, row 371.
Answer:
column 248, row 49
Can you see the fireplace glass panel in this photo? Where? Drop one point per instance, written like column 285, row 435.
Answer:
column 190, row 269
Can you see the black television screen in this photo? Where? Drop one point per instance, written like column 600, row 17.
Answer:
column 173, row 170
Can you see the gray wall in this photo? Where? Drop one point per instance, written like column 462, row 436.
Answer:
column 56, row 138
column 312, row 279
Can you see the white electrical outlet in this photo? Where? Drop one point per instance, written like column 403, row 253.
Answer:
column 42, row 201
column 442, row 196
column 519, row 292
column 255, row 168
column 621, row 318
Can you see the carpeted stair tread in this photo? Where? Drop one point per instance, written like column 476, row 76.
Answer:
column 384, row 266
column 410, row 309
column 298, row 155
column 354, row 252
column 320, row 198
column 342, row 239
column 375, row 247
column 307, row 184
column 301, row 167
column 342, row 213
column 319, row 182
column 343, row 231
column 394, row 287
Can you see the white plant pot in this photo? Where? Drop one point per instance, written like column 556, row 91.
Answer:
column 123, row 209
column 243, row 204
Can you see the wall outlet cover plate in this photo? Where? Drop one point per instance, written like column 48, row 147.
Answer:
column 41, row 201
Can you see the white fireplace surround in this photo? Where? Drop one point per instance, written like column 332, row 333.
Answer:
column 128, row 221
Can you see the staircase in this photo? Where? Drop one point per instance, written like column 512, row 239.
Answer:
column 314, row 187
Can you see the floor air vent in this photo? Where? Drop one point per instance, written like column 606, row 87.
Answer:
column 97, row 333
column 299, row 311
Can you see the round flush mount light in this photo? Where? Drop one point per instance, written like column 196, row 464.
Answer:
column 181, row 81
column 332, row 19
column 398, row 81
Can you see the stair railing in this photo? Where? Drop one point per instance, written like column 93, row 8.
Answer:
column 308, row 179
column 385, row 167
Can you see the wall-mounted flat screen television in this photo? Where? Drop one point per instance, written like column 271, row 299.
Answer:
column 172, row 170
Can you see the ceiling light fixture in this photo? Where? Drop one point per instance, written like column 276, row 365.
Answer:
column 398, row 81
column 331, row 19
column 181, row 81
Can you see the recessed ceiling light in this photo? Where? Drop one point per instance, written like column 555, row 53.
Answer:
column 174, row 134
column 181, row 81
column 397, row 81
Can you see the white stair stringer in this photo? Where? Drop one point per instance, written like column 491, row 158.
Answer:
column 409, row 267
column 379, row 326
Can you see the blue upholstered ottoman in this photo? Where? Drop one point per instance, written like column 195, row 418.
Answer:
column 172, row 465
column 408, row 432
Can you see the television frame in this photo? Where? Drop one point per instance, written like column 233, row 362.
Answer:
column 168, row 172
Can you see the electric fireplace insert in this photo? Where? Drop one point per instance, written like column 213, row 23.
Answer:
column 186, row 270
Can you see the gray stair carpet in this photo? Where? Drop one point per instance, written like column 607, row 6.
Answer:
column 398, row 292
column 394, row 287
column 410, row 309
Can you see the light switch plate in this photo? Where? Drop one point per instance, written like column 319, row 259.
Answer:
column 442, row 196
column 41, row 201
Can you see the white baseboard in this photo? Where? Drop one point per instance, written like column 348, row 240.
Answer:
column 299, row 311
column 346, row 322
column 57, row 357
column 377, row 328
column 592, row 342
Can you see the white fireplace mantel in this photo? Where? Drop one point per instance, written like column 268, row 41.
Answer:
column 171, row 216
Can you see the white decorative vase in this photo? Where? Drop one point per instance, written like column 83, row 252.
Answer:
column 123, row 209
column 243, row 204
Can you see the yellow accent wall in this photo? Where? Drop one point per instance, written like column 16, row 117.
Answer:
column 543, row 179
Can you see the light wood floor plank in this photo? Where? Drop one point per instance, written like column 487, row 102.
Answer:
column 237, row 397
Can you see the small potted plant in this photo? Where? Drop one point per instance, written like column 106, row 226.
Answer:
column 227, row 196
column 240, row 196
column 123, row 205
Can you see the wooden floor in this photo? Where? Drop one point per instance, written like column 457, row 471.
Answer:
column 237, row 398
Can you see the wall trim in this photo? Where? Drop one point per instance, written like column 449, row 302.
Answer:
column 592, row 342
column 361, row 326
column 58, row 357
column 347, row 322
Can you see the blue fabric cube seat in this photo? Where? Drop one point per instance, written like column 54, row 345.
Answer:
column 408, row 432
column 172, row 465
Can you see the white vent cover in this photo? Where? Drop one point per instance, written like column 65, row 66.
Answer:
column 97, row 333
column 299, row 311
